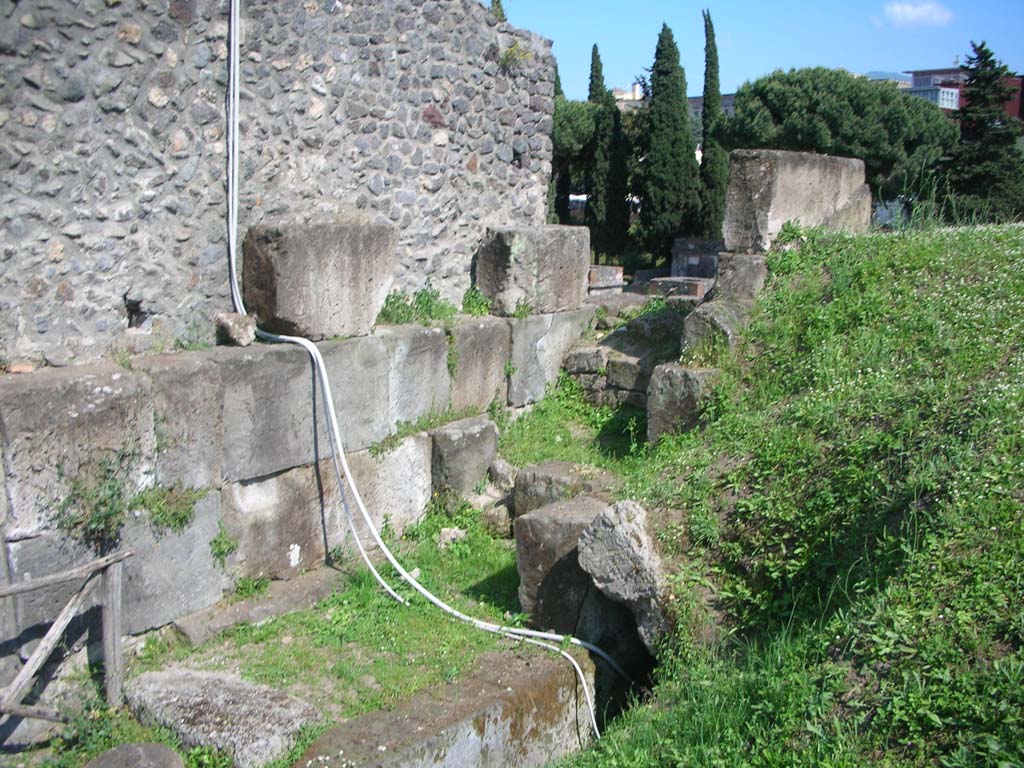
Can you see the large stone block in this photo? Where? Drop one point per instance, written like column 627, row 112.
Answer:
column 768, row 187
column 544, row 268
column 539, row 344
column 66, row 426
column 395, row 487
column 273, row 416
column 720, row 319
column 463, row 452
column 674, row 398
column 170, row 574
column 188, row 415
column 279, row 522
column 319, row 279
column 483, row 347
column 617, row 551
column 551, row 583
column 541, row 484
column 418, row 379
column 741, row 276
column 359, row 370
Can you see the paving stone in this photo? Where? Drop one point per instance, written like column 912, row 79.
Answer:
column 138, row 756
column 255, row 724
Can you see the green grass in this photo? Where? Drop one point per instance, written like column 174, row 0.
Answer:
column 427, row 421
column 357, row 650
column 856, row 505
column 425, row 306
column 474, row 303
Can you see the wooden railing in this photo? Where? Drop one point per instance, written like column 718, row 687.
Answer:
column 106, row 570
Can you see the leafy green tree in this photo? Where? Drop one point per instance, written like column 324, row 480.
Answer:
column 985, row 171
column 671, row 185
column 899, row 137
column 714, row 164
column 572, row 136
column 497, row 10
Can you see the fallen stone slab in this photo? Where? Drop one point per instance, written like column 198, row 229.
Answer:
column 768, row 187
column 521, row 709
column 319, row 279
column 544, row 268
column 255, row 724
column 551, row 584
column 617, row 551
column 138, row 756
column 463, row 451
column 722, row 319
column 280, row 597
column 674, row 398
column 541, row 484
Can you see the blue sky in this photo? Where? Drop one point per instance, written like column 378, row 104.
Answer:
column 757, row 36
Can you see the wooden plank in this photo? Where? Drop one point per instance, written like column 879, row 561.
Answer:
column 40, row 713
column 20, row 685
column 59, row 578
column 113, row 658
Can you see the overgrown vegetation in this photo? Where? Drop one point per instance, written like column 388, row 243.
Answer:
column 474, row 303
column 99, row 501
column 855, row 505
column 425, row 306
column 222, row 545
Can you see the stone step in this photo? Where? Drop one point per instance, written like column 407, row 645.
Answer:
column 522, row 708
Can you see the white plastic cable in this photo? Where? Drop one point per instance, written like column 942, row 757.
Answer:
column 341, row 468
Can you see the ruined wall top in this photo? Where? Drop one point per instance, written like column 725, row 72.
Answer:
column 428, row 114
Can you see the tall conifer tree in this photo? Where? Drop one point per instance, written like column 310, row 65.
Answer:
column 671, row 191
column 497, row 10
column 596, row 213
column 714, row 164
column 986, row 169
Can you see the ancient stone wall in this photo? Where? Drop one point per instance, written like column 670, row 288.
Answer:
column 425, row 113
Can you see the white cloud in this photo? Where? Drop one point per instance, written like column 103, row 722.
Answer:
column 924, row 13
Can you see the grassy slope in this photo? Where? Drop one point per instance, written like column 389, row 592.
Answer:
column 856, row 501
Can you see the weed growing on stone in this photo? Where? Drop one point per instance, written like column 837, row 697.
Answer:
column 95, row 508
column 247, row 587
column 522, row 310
column 424, row 423
column 475, row 303
column 222, row 545
column 513, row 58
column 169, row 508
column 510, row 369
column 425, row 307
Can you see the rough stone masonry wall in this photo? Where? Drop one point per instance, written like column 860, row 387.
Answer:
column 425, row 113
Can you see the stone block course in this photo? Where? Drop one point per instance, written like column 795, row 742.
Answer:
column 64, row 424
column 483, row 346
column 769, row 187
column 544, row 268
column 318, row 279
column 539, row 344
column 418, row 378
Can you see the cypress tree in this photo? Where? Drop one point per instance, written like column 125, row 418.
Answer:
column 671, row 190
column 617, row 223
column 596, row 213
column 986, row 169
column 497, row 10
column 714, row 164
